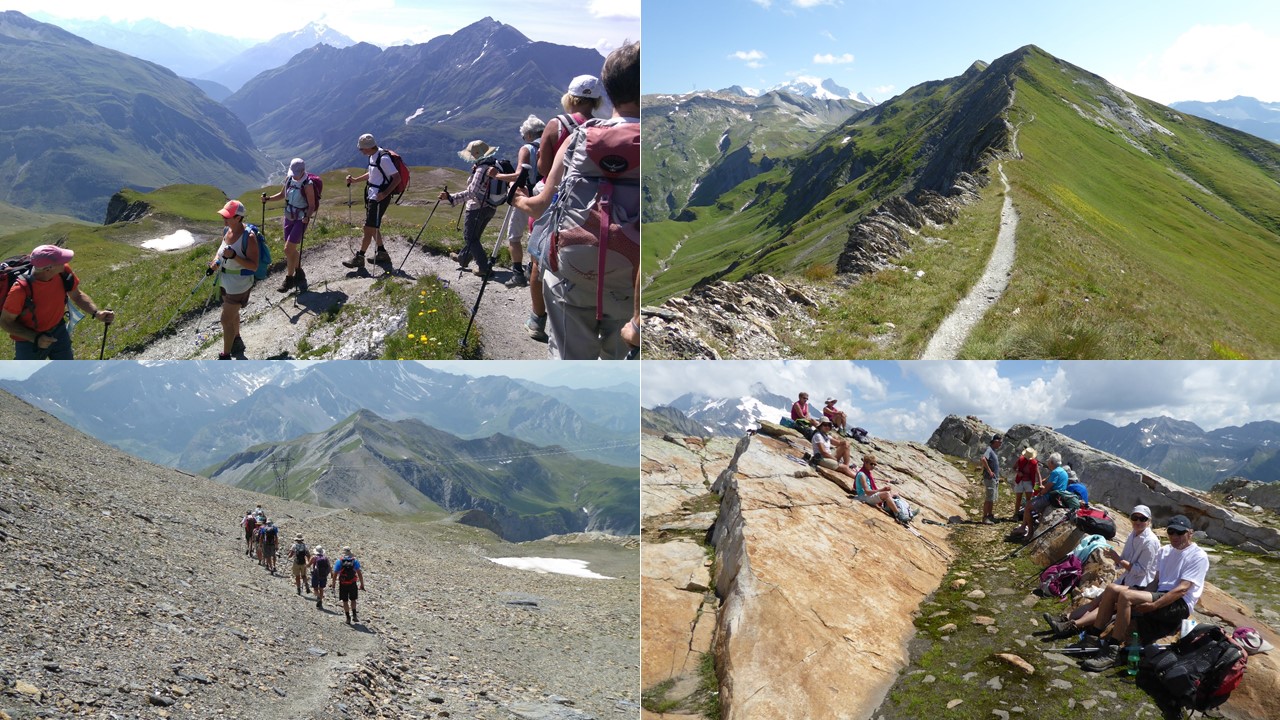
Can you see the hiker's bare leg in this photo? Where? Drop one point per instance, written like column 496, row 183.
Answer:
column 535, row 289
column 1106, row 606
column 369, row 231
column 230, row 325
column 517, row 252
column 291, row 258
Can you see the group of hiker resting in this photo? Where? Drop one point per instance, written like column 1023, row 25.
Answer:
column 311, row 570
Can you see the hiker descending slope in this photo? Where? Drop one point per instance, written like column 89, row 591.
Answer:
column 299, row 554
column 38, row 288
column 382, row 179
column 346, row 575
column 236, row 263
column 320, row 568
column 301, row 193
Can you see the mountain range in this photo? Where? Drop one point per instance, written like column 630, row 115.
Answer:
column 735, row 416
column 1240, row 112
column 519, row 490
column 80, row 121
column 1123, row 197
column 192, row 415
column 1183, row 452
column 425, row 101
column 188, row 52
column 273, row 53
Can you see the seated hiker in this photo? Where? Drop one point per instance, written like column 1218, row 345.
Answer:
column 1055, row 482
column 839, row 420
column 1137, row 563
column 800, row 411
column 865, row 488
column 1181, row 567
column 1076, row 487
column 824, row 456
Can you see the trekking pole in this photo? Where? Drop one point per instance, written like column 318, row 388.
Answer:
column 349, row 202
column 103, row 350
column 264, row 211
column 205, row 310
column 1038, row 536
column 184, row 302
column 458, row 225
column 424, row 227
column 484, row 282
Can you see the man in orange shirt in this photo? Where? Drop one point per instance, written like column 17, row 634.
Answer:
column 37, row 300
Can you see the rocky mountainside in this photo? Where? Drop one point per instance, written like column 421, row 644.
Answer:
column 81, row 121
column 1185, row 453
column 667, row 419
column 425, row 101
column 735, row 416
column 272, row 54
column 128, row 594
column 192, row 415
column 369, row 464
column 700, row 145
column 899, row 184
column 1244, row 113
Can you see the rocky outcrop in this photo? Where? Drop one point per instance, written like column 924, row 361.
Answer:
column 1111, row 481
column 121, row 210
column 750, row 318
column 876, row 241
column 813, row 583
column 1250, row 493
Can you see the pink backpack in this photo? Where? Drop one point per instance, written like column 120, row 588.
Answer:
column 595, row 226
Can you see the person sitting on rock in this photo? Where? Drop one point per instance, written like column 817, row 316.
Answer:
column 1055, row 482
column 800, row 411
column 1181, row 567
column 824, row 456
column 864, row 486
column 839, row 420
column 1137, row 563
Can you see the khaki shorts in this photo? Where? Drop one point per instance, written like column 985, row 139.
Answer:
column 829, row 464
column 240, row 299
column 299, row 571
column 993, row 488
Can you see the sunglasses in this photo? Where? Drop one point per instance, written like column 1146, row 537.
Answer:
column 1138, row 518
column 1176, row 532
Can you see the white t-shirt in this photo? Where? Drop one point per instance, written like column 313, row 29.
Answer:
column 381, row 167
column 821, row 442
column 1173, row 566
column 1141, row 553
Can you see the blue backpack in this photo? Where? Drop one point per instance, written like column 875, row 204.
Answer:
column 264, row 252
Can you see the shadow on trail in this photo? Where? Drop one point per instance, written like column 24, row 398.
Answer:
column 313, row 302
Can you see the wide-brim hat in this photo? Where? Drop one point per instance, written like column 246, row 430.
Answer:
column 1029, row 453
column 831, row 401
column 477, row 150
column 298, row 536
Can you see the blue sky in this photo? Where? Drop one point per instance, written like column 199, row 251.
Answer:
column 1167, row 51
column 601, row 24
column 907, row 400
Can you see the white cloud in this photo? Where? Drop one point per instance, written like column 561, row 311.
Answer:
column 811, row 3
column 852, row 384
column 830, row 59
column 747, row 55
column 766, row 4
column 884, row 91
column 1209, row 62
column 978, row 388
column 614, row 9
column 828, row 35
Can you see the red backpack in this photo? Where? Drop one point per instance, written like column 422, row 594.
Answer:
column 595, row 228
column 402, row 183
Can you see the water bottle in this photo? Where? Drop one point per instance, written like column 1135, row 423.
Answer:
column 1135, row 654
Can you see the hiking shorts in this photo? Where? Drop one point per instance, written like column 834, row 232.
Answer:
column 828, row 463
column 992, row 485
column 269, row 548
column 1040, row 503
column 318, row 580
column 1163, row 621
column 1024, row 488
column 294, row 229
column 240, row 299
column 571, row 319
column 59, row 350
column 348, row 592
column 299, row 571
column 373, row 212
column 516, row 226
column 871, row 498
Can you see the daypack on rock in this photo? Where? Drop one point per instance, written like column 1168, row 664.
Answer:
column 1060, row 578
column 595, row 230
column 1065, row 499
column 1198, row 672
column 19, row 267
column 402, row 183
column 1096, row 521
column 264, row 252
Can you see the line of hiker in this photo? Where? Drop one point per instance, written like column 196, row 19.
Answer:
column 311, row 569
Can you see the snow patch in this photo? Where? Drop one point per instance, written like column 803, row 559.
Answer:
column 559, row 566
column 415, row 114
column 176, row 241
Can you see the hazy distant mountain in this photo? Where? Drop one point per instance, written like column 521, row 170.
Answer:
column 666, row 419
column 371, row 464
column 192, row 414
column 273, row 53
column 425, row 101
column 79, row 122
column 188, row 52
column 215, row 91
column 1240, row 112
column 1185, row 453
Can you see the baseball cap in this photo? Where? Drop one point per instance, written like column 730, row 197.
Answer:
column 232, row 208
column 46, row 255
column 297, row 167
column 367, row 142
column 587, row 86
column 1178, row 522
column 1142, row 510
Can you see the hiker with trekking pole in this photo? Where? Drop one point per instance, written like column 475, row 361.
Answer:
column 385, row 177
column 477, row 209
column 526, row 171
column 301, row 193
column 484, row 281
column 35, row 290
column 237, row 265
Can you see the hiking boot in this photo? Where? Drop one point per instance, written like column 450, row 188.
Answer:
column 1108, row 657
column 1088, row 642
column 237, row 346
column 988, row 520
column 319, row 606
column 355, row 262
column 482, row 273
column 537, row 327
column 518, row 279
column 348, row 618
column 288, row 284
column 298, row 589
column 301, row 281
column 1061, row 627
column 381, row 256
column 224, row 356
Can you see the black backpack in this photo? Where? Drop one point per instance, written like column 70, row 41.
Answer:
column 300, row 554
column 1199, row 671
column 17, row 267
column 322, row 566
column 1096, row 521
column 347, row 573
column 497, row 192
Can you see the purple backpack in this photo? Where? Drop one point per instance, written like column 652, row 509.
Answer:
column 1059, row 579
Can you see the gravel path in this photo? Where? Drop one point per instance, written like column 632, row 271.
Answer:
column 273, row 323
column 954, row 330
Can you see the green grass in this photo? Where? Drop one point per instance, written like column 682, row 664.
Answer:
column 437, row 319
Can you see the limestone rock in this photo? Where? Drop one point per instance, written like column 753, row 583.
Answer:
column 1017, row 662
column 727, row 319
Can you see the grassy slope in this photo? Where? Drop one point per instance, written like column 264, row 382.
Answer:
column 145, row 287
column 15, row 219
